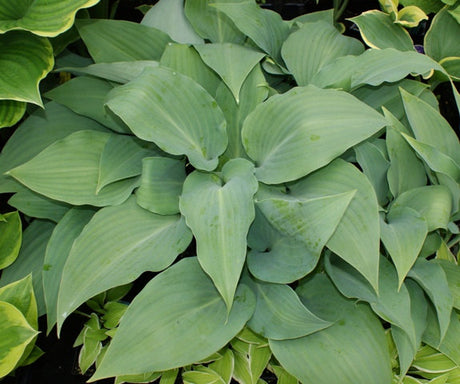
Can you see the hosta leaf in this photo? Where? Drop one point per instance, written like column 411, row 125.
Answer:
column 374, row 67
column 428, row 6
column 253, row 92
column 323, row 42
column 30, row 259
column 430, row 127
column 218, row 57
column 10, row 238
column 312, row 17
column 121, row 159
column 16, row 335
column 26, row 59
column 387, row 95
column 452, row 67
column 156, row 333
column 441, row 39
column 392, row 302
column 403, row 237
column 161, row 185
column 406, row 171
column 57, row 252
column 175, row 113
column 450, row 344
column 431, row 277
column 211, row 24
column 40, row 130
column 11, row 112
column 120, row 71
column 280, row 314
column 355, row 342
column 224, row 366
column 293, row 134
column 91, row 105
column 110, row 41
column 356, row 238
column 263, row 26
column 378, row 31
column 429, row 360
column 250, row 361
column 202, row 375
column 410, row 16
column 34, row 205
column 41, row 17
column 20, row 293
column 169, row 17
column 432, row 202
column 109, row 252
column 453, row 279
column 219, row 209
column 308, row 220
column 79, row 155
column 374, row 163
column 275, row 257
column 186, row 60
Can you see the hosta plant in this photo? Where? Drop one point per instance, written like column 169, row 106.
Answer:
column 293, row 192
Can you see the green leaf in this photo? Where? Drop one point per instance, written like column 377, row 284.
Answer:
column 169, row 17
column 403, row 237
column 410, row 16
column 312, row 17
column 20, row 293
column 250, row 361
column 296, row 133
column 155, row 331
column 16, row 335
column 211, row 24
column 40, row 130
column 110, row 41
column 392, row 303
column 406, row 171
column 175, row 113
column 453, row 279
column 186, row 60
column 374, row 163
column 253, row 92
column 161, row 185
column 355, row 343
column 431, row 277
column 386, row 96
column 357, row 237
column 275, row 257
column 280, row 314
column 264, row 27
column 202, row 375
column 30, row 260
column 95, row 90
column 26, row 59
column 452, row 67
column 432, row 202
column 378, row 31
column 374, row 67
column 224, row 366
column 121, row 159
column 310, row 220
column 323, row 42
column 11, row 112
column 429, row 360
column 57, row 252
column 41, row 17
column 79, row 155
column 428, row 6
column 10, row 238
column 119, row 72
column 242, row 59
column 219, row 209
column 441, row 39
column 450, row 344
column 34, row 205
column 109, row 252
column 430, row 127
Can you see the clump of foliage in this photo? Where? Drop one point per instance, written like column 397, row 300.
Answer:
column 295, row 193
